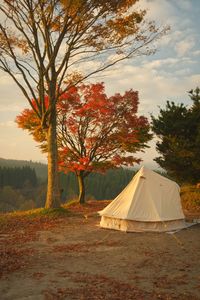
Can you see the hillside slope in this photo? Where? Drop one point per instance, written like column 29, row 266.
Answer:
column 40, row 168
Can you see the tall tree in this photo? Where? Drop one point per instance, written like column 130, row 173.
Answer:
column 178, row 130
column 44, row 43
column 95, row 132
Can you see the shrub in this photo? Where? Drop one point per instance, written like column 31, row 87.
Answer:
column 190, row 197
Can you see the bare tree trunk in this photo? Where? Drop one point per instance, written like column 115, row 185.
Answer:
column 53, row 190
column 81, row 184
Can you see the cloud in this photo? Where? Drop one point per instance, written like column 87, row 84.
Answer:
column 184, row 4
column 155, row 81
column 194, row 80
column 7, row 124
column 160, row 63
column 158, row 10
column 17, row 144
column 183, row 72
column 178, row 15
column 11, row 108
column 10, row 93
column 196, row 53
column 183, row 47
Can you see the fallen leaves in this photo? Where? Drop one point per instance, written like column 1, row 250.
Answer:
column 101, row 287
column 13, row 259
column 15, row 233
column 88, row 209
column 38, row 275
column 96, row 287
column 16, row 230
column 84, row 247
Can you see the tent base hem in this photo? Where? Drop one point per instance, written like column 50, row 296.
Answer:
column 139, row 226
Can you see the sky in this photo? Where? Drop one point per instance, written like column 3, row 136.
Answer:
column 167, row 75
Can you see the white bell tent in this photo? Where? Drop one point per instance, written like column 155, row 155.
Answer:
column 150, row 202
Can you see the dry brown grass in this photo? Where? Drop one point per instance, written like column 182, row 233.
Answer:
column 190, row 197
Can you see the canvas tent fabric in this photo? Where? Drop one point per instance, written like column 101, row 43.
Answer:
column 150, row 202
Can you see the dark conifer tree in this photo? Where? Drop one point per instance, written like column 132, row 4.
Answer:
column 178, row 129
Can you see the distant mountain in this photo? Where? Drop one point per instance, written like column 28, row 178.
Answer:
column 40, row 168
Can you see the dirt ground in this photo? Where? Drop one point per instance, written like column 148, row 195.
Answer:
column 76, row 259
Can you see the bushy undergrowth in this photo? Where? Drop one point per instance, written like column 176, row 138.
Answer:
column 190, row 197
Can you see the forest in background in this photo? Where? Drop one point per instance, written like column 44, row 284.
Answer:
column 40, row 168
column 24, row 184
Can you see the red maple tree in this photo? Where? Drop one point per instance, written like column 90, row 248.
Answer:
column 95, row 132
